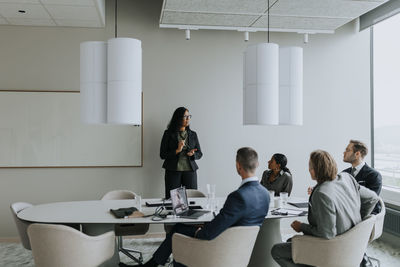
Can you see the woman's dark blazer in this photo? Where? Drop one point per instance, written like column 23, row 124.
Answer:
column 169, row 144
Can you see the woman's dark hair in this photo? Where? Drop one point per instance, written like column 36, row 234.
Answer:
column 282, row 161
column 176, row 121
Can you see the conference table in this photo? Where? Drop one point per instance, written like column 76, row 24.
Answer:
column 96, row 218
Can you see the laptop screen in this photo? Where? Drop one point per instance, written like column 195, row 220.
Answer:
column 179, row 200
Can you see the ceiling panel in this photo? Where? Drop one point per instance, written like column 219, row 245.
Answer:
column 20, row 1
column 286, row 15
column 301, row 23
column 32, row 22
column 78, row 23
column 228, row 6
column 10, row 10
column 68, row 2
column 90, row 13
column 72, row 12
column 207, row 19
column 322, row 8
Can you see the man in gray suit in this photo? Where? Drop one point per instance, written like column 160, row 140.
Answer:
column 336, row 204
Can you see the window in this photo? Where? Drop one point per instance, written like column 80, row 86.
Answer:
column 386, row 77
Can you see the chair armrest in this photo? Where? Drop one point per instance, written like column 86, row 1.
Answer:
column 102, row 246
column 186, row 249
column 231, row 248
column 317, row 251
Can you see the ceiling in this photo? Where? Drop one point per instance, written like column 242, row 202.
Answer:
column 302, row 16
column 70, row 13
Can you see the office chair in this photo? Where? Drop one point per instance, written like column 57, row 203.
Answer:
column 22, row 225
column 60, row 245
column 127, row 229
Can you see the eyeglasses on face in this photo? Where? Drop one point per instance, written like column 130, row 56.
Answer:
column 187, row 117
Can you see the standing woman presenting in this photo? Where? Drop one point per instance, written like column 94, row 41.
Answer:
column 179, row 150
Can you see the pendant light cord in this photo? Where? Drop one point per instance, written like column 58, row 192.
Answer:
column 116, row 20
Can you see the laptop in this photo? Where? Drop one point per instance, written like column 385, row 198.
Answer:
column 180, row 205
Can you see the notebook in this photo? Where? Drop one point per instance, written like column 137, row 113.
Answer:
column 180, row 205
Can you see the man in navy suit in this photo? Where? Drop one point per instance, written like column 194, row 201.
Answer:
column 365, row 175
column 247, row 206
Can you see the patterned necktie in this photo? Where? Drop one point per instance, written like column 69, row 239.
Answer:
column 353, row 170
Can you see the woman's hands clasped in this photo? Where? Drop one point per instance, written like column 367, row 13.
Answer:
column 191, row 152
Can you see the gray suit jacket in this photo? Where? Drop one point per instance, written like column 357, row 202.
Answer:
column 336, row 206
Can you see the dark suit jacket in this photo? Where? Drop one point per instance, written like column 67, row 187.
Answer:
column 169, row 144
column 371, row 179
column 246, row 206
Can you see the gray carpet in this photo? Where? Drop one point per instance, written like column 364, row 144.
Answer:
column 12, row 254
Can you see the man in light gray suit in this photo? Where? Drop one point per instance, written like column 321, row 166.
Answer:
column 336, row 204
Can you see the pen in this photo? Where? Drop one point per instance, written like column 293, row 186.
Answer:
column 215, row 215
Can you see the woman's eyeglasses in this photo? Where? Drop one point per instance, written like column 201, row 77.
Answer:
column 187, row 117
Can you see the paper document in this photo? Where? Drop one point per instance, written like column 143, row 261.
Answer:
column 281, row 211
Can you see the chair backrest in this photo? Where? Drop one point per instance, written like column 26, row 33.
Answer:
column 119, row 194
column 378, row 226
column 60, row 245
column 344, row 250
column 194, row 193
column 231, row 248
column 21, row 224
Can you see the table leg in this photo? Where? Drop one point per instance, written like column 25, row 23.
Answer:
column 98, row 229
column 269, row 235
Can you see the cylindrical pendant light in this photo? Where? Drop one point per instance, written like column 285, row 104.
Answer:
column 291, row 85
column 261, row 84
column 124, row 81
column 93, row 82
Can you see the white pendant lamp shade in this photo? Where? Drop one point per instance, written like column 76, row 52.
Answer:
column 93, row 82
column 261, row 84
column 124, row 81
column 291, row 85
column 111, row 81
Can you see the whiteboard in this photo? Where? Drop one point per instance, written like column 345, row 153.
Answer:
column 43, row 129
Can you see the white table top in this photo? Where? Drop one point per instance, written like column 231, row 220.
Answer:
column 98, row 211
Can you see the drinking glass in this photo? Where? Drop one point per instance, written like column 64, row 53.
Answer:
column 271, row 198
column 138, row 200
column 284, row 197
column 211, row 197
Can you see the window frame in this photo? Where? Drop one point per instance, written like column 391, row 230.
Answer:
column 389, row 194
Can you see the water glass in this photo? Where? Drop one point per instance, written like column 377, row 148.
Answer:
column 211, row 201
column 284, row 197
column 138, row 202
column 211, row 190
column 271, row 198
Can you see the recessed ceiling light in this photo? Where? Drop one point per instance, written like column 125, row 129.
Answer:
column 21, row 11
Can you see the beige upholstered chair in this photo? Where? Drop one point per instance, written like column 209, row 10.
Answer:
column 127, row 229
column 21, row 224
column 378, row 227
column 345, row 250
column 231, row 248
column 63, row 246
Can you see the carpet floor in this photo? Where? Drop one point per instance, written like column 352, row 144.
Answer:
column 13, row 254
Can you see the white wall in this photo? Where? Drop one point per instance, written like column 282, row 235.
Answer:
column 203, row 74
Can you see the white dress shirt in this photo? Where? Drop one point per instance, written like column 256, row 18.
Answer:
column 249, row 179
column 358, row 168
